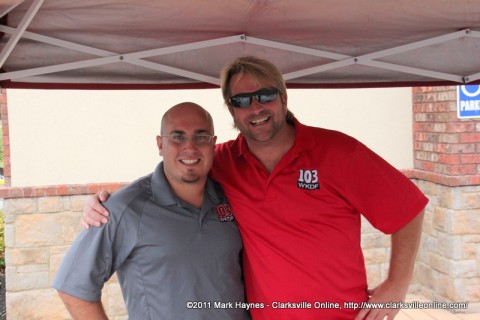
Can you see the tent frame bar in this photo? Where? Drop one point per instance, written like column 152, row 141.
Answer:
column 12, row 42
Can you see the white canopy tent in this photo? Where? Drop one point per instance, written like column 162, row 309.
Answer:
column 95, row 44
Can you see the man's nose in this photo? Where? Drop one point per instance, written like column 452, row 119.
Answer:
column 255, row 105
column 190, row 143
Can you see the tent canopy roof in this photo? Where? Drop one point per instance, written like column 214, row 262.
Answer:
column 98, row 44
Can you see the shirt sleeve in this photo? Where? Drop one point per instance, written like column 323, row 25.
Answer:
column 380, row 192
column 93, row 258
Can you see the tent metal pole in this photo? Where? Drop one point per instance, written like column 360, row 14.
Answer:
column 132, row 58
column 11, row 8
column 415, row 45
column 12, row 42
column 293, row 48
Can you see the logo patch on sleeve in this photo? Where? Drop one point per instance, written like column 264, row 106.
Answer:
column 224, row 213
column 308, row 179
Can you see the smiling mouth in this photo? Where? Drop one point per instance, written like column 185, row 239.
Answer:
column 259, row 121
column 189, row 161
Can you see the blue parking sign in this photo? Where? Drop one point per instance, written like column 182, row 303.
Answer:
column 468, row 101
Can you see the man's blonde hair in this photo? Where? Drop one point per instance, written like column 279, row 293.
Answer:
column 262, row 70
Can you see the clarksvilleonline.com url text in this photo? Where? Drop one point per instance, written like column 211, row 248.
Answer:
column 406, row 305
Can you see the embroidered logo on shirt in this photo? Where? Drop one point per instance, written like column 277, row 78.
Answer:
column 308, row 179
column 224, row 213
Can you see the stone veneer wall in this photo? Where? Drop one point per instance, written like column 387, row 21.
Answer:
column 448, row 264
column 38, row 232
column 42, row 222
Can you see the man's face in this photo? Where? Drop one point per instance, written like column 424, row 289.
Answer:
column 259, row 122
column 189, row 161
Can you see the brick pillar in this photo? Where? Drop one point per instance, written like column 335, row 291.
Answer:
column 6, row 137
column 447, row 163
column 447, row 149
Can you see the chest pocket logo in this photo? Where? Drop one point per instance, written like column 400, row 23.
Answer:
column 308, row 179
column 224, row 213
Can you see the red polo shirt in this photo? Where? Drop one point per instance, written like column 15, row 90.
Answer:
column 300, row 224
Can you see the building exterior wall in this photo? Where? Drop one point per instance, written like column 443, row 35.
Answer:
column 38, row 232
column 42, row 219
column 104, row 136
column 447, row 162
column 448, row 264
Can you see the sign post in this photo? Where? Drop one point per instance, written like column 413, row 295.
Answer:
column 468, row 101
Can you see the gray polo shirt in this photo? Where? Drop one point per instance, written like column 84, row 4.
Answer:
column 173, row 261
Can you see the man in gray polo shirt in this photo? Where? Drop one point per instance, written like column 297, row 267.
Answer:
column 171, row 237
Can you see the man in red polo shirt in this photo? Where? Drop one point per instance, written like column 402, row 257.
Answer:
column 297, row 193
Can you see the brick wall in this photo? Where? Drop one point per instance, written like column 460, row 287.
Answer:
column 6, row 137
column 446, row 149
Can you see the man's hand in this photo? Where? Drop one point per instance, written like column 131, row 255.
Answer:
column 405, row 244
column 384, row 293
column 94, row 213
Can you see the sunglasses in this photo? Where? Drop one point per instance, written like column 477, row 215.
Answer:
column 244, row 100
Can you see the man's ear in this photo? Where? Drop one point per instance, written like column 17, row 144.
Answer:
column 230, row 109
column 283, row 99
column 160, row 145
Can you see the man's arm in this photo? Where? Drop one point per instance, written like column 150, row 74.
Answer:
column 83, row 309
column 405, row 243
column 94, row 213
